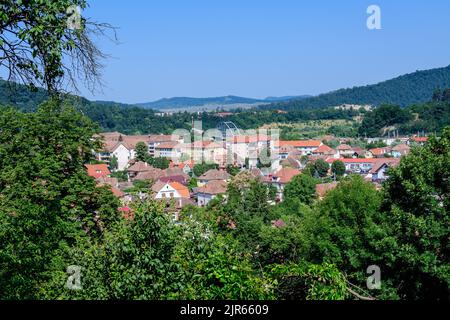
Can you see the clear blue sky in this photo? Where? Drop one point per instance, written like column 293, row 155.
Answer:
column 257, row 48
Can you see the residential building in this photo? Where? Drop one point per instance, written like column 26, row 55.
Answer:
column 97, row 171
column 400, row 150
column 209, row 191
column 137, row 168
column 156, row 140
column 356, row 165
column 280, row 178
column 344, row 150
column 380, row 152
column 214, row 175
column 171, row 150
column 380, row 168
column 305, row 147
column 170, row 190
column 325, row 150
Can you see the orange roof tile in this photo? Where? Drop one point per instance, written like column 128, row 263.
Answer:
column 300, row 143
column 324, row 149
column 97, row 171
column 285, row 175
column 181, row 189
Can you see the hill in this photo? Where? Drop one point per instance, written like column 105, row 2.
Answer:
column 413, row 88
column 212, row 103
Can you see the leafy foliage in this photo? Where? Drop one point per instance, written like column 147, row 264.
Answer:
column 48, row 204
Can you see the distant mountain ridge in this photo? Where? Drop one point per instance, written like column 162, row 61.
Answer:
column 412, row 88
column 409, row 89
column 188, row 102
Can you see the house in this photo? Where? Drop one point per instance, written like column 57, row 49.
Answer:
column 154, row 141
column 325, row 150
column 380, row 168
column 323, row 188
column 186, row 167
column 361, row 153
column 175, row 171
column 400, row 150
column 97, row 171
column 291, row 162
column 209, row 191
column 247, row 147
column 305, row 147
column 344, row 150
column 137, row 168
column 206, row 152
column 171, row 150
column 280, row 178
column 356, row 165
column 380, row 152
column 418, row 140
column 117, row 149
column 214, row 175
column 177, row 178
column 170, row 190
column 153, row 174
column 285, row 151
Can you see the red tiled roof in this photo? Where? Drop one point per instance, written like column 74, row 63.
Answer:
column 420, row 139
column 285, row 175
column 179, row 178
column 379, row 151
column 390, row 162
column 169, row 145
column 300, row 143
column 344, row 147
column 324, row 149
column 162, row 138
column 97, row 171
column 215, row 175
column 191, row 165
column 140, row 166
column 251, row 138
column 356, row 160
column 401, row 147
column 214, row 187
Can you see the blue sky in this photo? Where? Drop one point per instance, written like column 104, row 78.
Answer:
column 204, row 48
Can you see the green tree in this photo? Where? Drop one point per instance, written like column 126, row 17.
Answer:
column 301, row 188
column 232, row 170
column 307, row 281
column 353, row 234
column 48, row 203
column 142, row 152
column 201, row 168
column 114, row 163
column 214, row 268
column 160, row 163
column 417, row 203
column 321, row 167
column 338, row 168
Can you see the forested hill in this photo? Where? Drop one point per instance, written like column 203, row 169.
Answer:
column 417, row 87
column 20, row 96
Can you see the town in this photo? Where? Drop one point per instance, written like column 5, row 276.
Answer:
column 271, row 161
